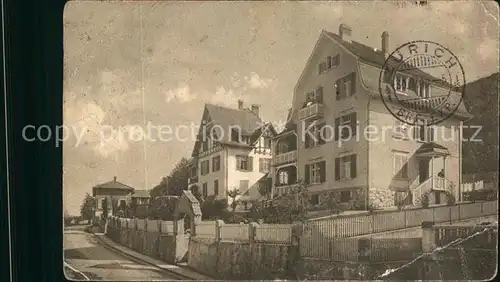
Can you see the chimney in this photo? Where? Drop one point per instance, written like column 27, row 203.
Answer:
column 240, row 104
column 385, row 43
column 256, row 109
column 345, row 32
column 114, row 178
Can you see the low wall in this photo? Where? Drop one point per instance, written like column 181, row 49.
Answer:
column 154, row 244
column 241, row 260
column 317, row 269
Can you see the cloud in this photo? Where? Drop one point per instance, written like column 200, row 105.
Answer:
column 255, row 81
column 181, row 94
column 85, row 122
column 224, row 97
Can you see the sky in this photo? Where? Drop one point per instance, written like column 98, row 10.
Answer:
column 130, row 64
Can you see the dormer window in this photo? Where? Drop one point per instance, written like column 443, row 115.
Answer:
column 235, row 135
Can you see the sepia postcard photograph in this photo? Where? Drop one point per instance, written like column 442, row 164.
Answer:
column 280, row 140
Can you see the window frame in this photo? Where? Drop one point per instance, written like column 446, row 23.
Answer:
column 215, row 167
column 283, row 177
column 204, row 188
column 216, row 187
column 264, row 162
column 205, row 167
column 243, row 159
column 400, row 166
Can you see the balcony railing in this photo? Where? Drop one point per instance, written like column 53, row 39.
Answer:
column 312, row 111
column 288, row 157
column 193, row 180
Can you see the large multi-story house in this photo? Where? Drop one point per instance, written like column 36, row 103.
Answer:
column 339, row 88
column 232, row 152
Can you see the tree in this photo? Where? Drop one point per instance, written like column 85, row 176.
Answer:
column 196, row 193
column 212, row 208
column 175, row 182
column 283, row 209
column 265, row 188
column 87, row 209
column 105, row 208
column 233, row 194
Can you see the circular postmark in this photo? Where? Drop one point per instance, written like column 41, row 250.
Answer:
column 422, row 83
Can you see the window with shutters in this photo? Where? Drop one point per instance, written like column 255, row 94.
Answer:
column 345, row 126
column 346, row 86
column 205, row 167
column 314, row 97
column 330, row 63
column 205, row 189
column 244, row 163
column 216, row 163
column 316, row 134
column 322, row 67
column 264, row 165
column 345, row 167
column 423, row 133
column 315, row 173
column 400, row 165
column 216, row 187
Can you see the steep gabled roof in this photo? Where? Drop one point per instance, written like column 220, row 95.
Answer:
column 228, row 117
column 268, row 127
column 225, row 118
column 376, row 58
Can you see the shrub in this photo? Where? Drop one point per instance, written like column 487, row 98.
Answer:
column 450, row 199
column 213, row 208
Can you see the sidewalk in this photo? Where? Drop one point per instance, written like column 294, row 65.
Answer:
column 176, row 269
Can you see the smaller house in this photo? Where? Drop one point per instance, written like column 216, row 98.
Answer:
column 114, row 192
column 140, row 197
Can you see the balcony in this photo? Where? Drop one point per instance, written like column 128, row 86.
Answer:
column 284, row 158
column 312, row 111
column 193, row 180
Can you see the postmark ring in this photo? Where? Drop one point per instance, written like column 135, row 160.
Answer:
column 422, row 83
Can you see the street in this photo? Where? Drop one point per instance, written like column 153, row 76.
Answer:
column 86, row 259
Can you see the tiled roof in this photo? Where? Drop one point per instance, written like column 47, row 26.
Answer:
column 227, row 117
column 141, row 194
column 377, row 58
column 431, row 147
column 113, row 184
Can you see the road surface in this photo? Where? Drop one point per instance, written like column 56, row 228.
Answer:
column 86, row 259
